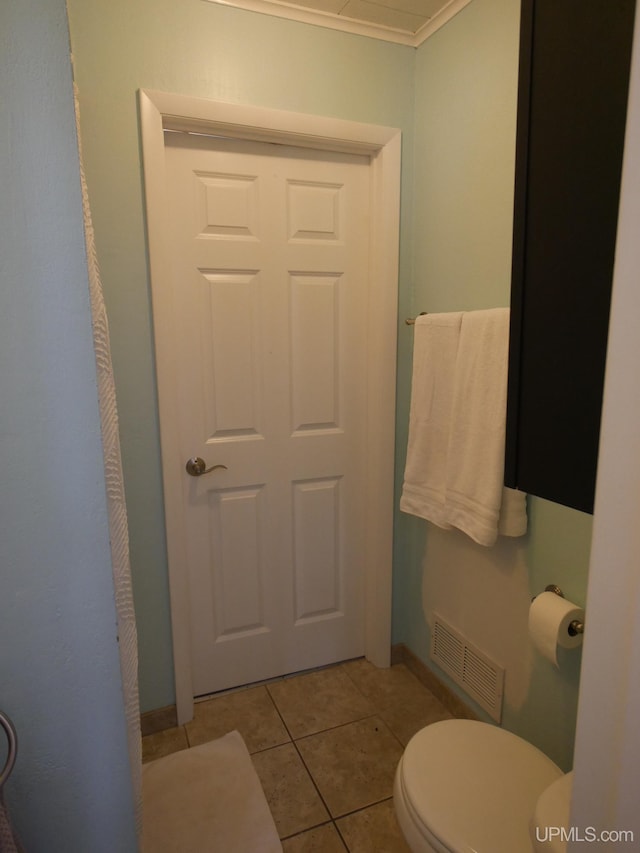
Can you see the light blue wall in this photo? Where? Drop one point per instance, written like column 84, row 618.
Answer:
column 454, row 99
column 59, row 666
column 466, row 91
column 212, row 51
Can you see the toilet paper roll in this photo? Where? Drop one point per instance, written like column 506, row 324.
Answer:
column 550, row 616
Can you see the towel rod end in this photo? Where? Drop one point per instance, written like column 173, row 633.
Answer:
column 411, row 321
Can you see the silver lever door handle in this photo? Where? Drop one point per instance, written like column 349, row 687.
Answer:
column 196, row 467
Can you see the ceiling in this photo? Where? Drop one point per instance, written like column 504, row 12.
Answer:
column 401, row 21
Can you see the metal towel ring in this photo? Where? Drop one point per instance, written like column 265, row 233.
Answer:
column 12, row 738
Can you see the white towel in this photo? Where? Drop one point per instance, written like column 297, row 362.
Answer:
column 475, row 494
column 435, row 348
column 455, row 456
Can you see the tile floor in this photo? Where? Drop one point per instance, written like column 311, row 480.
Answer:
column 325, row 745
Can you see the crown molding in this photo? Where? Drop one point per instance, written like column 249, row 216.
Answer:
column 332, row 21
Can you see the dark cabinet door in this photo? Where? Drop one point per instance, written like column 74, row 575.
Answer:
column 574, row 71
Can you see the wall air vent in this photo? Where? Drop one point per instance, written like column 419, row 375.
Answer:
column 470, row 668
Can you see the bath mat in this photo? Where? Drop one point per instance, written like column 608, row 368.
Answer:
column 207, row 799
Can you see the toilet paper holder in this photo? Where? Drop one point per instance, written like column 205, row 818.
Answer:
column 575, row 626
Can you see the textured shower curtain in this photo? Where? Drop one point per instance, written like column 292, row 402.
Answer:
column 8, row 840
column 118, row 529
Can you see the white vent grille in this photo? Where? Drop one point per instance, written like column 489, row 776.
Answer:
column 472, row 670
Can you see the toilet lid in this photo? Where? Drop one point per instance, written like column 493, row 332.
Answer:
column 474, row 786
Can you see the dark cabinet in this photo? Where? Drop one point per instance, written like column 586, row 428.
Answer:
column 572, row 99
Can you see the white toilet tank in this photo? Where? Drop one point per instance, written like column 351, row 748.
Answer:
column 550, row 821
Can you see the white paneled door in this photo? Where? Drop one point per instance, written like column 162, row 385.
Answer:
column 269, row 248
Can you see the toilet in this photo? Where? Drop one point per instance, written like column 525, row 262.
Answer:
column 464, row 786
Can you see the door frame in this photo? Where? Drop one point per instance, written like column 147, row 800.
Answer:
column 161, row 111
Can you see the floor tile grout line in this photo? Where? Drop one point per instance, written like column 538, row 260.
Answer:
column 313, row 781
column 378, row 711
column 328, row 822
column 277, row 710
column 337, row 726
column 376, row 714
column 306, row 829
column 315, row 784
column 308, row 769
column 356, row 811
column 351, row 679
column 364, row 808
column 339, row 666
column 335, row 819
column 342, row 838
column 329, row 818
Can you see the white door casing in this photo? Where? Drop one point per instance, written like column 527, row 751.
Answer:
column 381, row 146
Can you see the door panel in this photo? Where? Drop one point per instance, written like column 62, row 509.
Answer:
column 317, row 566
column 269, row 249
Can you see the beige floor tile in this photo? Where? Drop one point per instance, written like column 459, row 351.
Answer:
column 353, row 765
column 373, row 830
column 318, row 700
column 397, row 696
column 250, row 711
column 322, row 839
column 405, row 722
column 163, row 743
column 290, row 792
column 382, row 684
